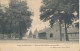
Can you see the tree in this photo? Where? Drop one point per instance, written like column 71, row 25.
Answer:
column 67, row 18
column 2, row 21
column 61, row 10
column 19, row 20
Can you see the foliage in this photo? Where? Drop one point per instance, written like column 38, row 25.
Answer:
column 61, row 10
column 16, row 19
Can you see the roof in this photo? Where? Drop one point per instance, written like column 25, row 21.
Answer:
column 45, row 30
column 76, row 21
column 73, row 30
column 70, row 30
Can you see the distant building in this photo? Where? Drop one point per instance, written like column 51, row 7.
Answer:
column 30, row 34
column 77, row 23
column 35, row 35
column 73, row 33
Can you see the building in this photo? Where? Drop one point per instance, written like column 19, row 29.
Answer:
column 35, row 35
column 30, row 34
column 50, row 33
column 54, row 33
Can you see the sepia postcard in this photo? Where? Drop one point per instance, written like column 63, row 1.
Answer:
column 39, row 25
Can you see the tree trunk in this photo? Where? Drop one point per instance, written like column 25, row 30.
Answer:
column 20, row 33
column 10, row 30
column 66, row 35
column 3, row 36
column 10, row 35
column 2, row 31
column 60, row 30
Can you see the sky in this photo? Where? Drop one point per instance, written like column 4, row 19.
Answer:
column 34, row 6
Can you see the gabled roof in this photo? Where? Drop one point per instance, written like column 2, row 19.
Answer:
column 36, row 31
column 70, row 30
column 45, row 30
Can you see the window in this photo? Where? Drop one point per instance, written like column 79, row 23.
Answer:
column 51, row 35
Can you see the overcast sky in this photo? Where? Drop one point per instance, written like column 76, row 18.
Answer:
column 37, row 23
column 34, row 6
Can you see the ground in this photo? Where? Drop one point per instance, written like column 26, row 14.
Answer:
column 38, row 45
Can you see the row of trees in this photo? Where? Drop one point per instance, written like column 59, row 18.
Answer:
column 61, row 10
column 16, row 19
